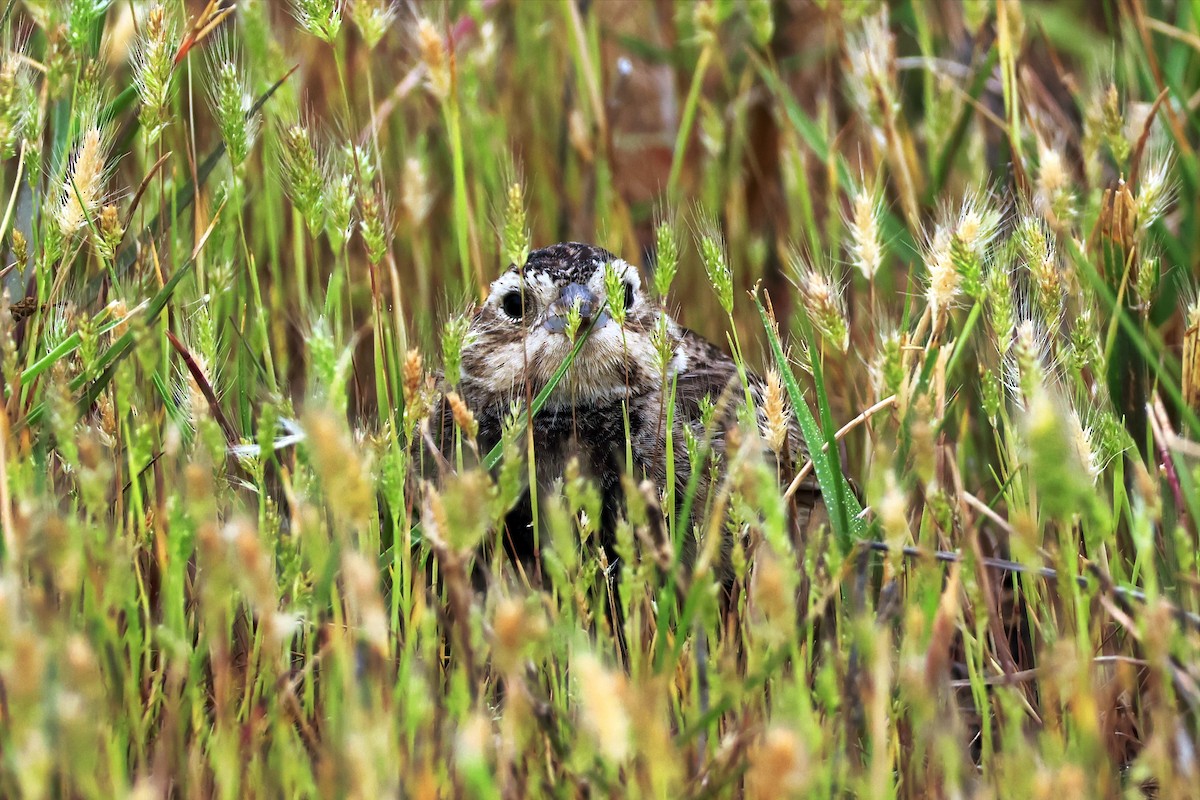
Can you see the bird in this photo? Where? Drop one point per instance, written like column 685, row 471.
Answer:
column 615, row 392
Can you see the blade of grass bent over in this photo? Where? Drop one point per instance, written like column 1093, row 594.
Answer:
column 493, row 457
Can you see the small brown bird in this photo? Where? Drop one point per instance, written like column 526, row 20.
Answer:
column 517, row 340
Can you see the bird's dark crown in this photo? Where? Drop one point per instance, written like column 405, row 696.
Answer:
column 568, row 262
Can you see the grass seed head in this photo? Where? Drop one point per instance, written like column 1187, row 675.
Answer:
column 375, row 227
column 973, row 231
column 762, row 21
column 1191, row 354
column 822, row 300
column 415, row 195
column 111, row 231
column 780, row 765
column 773, row 596
column 414, row 378
column 321, row 18
column 666, row 259
column 1156, row 188
column 340, row 465
column 515, row 239
column 1082, row 438
column 20, row 248
column 435, row 58
column 945, row 285
column 339, row 199
column 1084, row 343
column 887, row 369
column 154, row 64
column 454, row 340
column 871, row 52
column 892, row 509
column 716, row 265
column 866, row 241
column 1025, row 365
column 777, row 416
column 360, row 577
column 83, row 187
column 1112, row 126
column 663, row 343
column 1064, row 484
column 602, row 707
column 1054, row 199
column 304, row 177
column 516, row 625
column 614, row 290
column 463, row 416
column 18, row 99
column 1036, row 245
column 467, row 497
column 197, row 404
column 232, row 102
column 81, row 17
column 372, row 18
column 1146, row 277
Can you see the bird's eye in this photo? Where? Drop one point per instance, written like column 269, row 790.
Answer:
column 513, row 306
column 628, row 296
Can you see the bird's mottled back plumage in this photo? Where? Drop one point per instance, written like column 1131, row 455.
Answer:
column 516, row 342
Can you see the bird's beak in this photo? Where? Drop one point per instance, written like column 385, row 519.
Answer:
column 589, row 306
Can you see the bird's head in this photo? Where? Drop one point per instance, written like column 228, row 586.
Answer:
column 522, row 332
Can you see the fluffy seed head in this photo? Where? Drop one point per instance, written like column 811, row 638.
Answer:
column 339, row 199
column 372, row 18
column 83, row 188
column 152, row 68
column 415, row 195
column 375, row 226
column 614, row 291
column 1003, row 315
column 1191, row 355
column 944, row 285
column 602, row 708
column 892, row 510
column 1113, row 125
column 1054, row 199
column 454, row 339
column 18, row 100
column 463, row 416
column 866, row 244
column 1082, row 438
column 321, row 18
column 716, row 265
column 1156, row 189
column 776, row 415
column 414, row 399
column 780, row 765
column 231, row 102
column 823, row 303
column 872, row 60
column 433, row 54
column 515, row 241
column 303, row 176
column 666, row 261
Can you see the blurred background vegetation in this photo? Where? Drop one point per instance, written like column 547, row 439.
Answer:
column 239, row 243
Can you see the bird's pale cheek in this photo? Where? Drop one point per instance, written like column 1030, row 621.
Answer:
column 474, row 361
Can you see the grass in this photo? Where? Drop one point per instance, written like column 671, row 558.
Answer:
column 240, row 246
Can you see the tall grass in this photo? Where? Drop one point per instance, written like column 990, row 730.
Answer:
column 241, row 245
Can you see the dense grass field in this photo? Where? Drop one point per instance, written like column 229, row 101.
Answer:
column 240, row 243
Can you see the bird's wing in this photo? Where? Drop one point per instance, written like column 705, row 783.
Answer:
column 711, row 373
